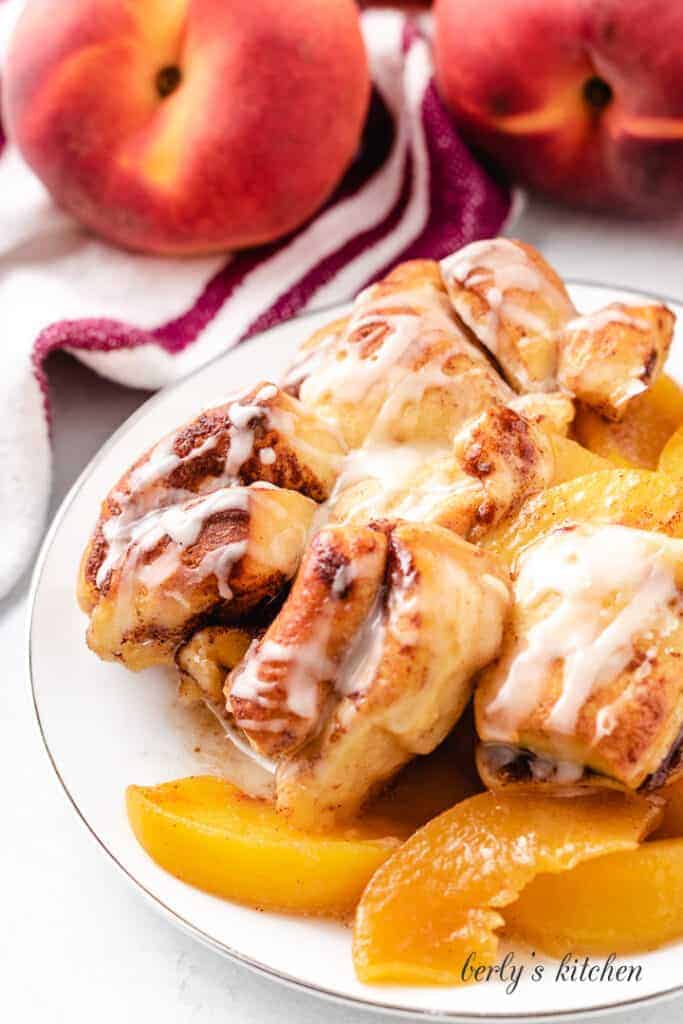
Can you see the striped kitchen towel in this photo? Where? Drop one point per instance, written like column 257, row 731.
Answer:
column 414, row 191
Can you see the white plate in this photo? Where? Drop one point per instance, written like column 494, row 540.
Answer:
column 104, row 728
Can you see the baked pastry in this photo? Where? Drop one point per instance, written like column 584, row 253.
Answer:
column 401, row 437
column 366, row 664
column 609, row 357
column 493, row 463
column 400, row 369
column 517, row 307
column 515, row 304
column 587, row 689
column 211, row 521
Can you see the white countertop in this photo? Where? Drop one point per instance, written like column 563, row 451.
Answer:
column 76, row 942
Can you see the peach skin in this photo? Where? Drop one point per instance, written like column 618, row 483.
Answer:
column 188, row 126
column 581, row 99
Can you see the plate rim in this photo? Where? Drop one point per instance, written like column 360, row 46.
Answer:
column 163, row 909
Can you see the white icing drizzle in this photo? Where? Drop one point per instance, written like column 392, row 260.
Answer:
column 600, row 587
column 503, row 267
column 178, row 513
column 403, row 324
column 615, row 313
column 359, row 667
column 236, row 736
column 243, row 419
column 308, row 663
column 163, row 459
column 307, row 667
column 220, row 563
column 267, row 456
column 388, row 466
column 182, row 524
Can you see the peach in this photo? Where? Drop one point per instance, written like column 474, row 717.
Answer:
column 671, row 826
column 209, row 834
column 573, row 460
column 187, row 126
column 638, row 439
column 581, row 100
column 635, row 498
column 625, row 902
column 437, row 898
column 671, row 457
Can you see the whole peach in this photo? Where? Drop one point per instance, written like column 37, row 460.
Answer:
column 187, row 126
column 581, row 99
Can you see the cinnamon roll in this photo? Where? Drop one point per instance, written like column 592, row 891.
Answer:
column 609, row 357
column 400, row 369
column 163, row 575
column 588, row 688
column 518, row 309
column 369, row 662
column 212, row 520
column 514, row 303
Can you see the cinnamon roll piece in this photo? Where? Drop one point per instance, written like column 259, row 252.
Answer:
column 213, row 519
column 517, row 307
column 149, row 582
column 260, row 434
column 609, row 357
column 400, row 369
column 278, row 693
column 588, row 688
column 496, row 462
column 514, row 303
column 376, row 648
column 205, row 660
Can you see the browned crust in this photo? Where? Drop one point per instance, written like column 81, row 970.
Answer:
column 194, row 476
column 597, row 363
column 335, row 588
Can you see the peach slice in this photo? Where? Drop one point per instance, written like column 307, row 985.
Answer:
column 671, row 459
column 573, row 460
column 637, row 498
column 622, row 903
column 639, row 437
column 209, row 834
column 435, row 900
column 671, row 826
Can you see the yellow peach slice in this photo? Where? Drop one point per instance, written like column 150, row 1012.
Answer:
column 639, row 437
column 209, row 834
column 671, row 459
column 671, row 826
column 637, row 498
column 573, row 460
column 437, row 898
column 622, row 903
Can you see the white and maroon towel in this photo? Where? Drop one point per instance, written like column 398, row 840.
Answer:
column 414, row 191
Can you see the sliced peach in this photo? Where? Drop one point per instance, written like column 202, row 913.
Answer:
column 639, row 437
column 637, row 498
column 671, row 459
column 625, row 902
column 208, row 833
column 671, row 826
column 435, row 900
column 573, row 460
